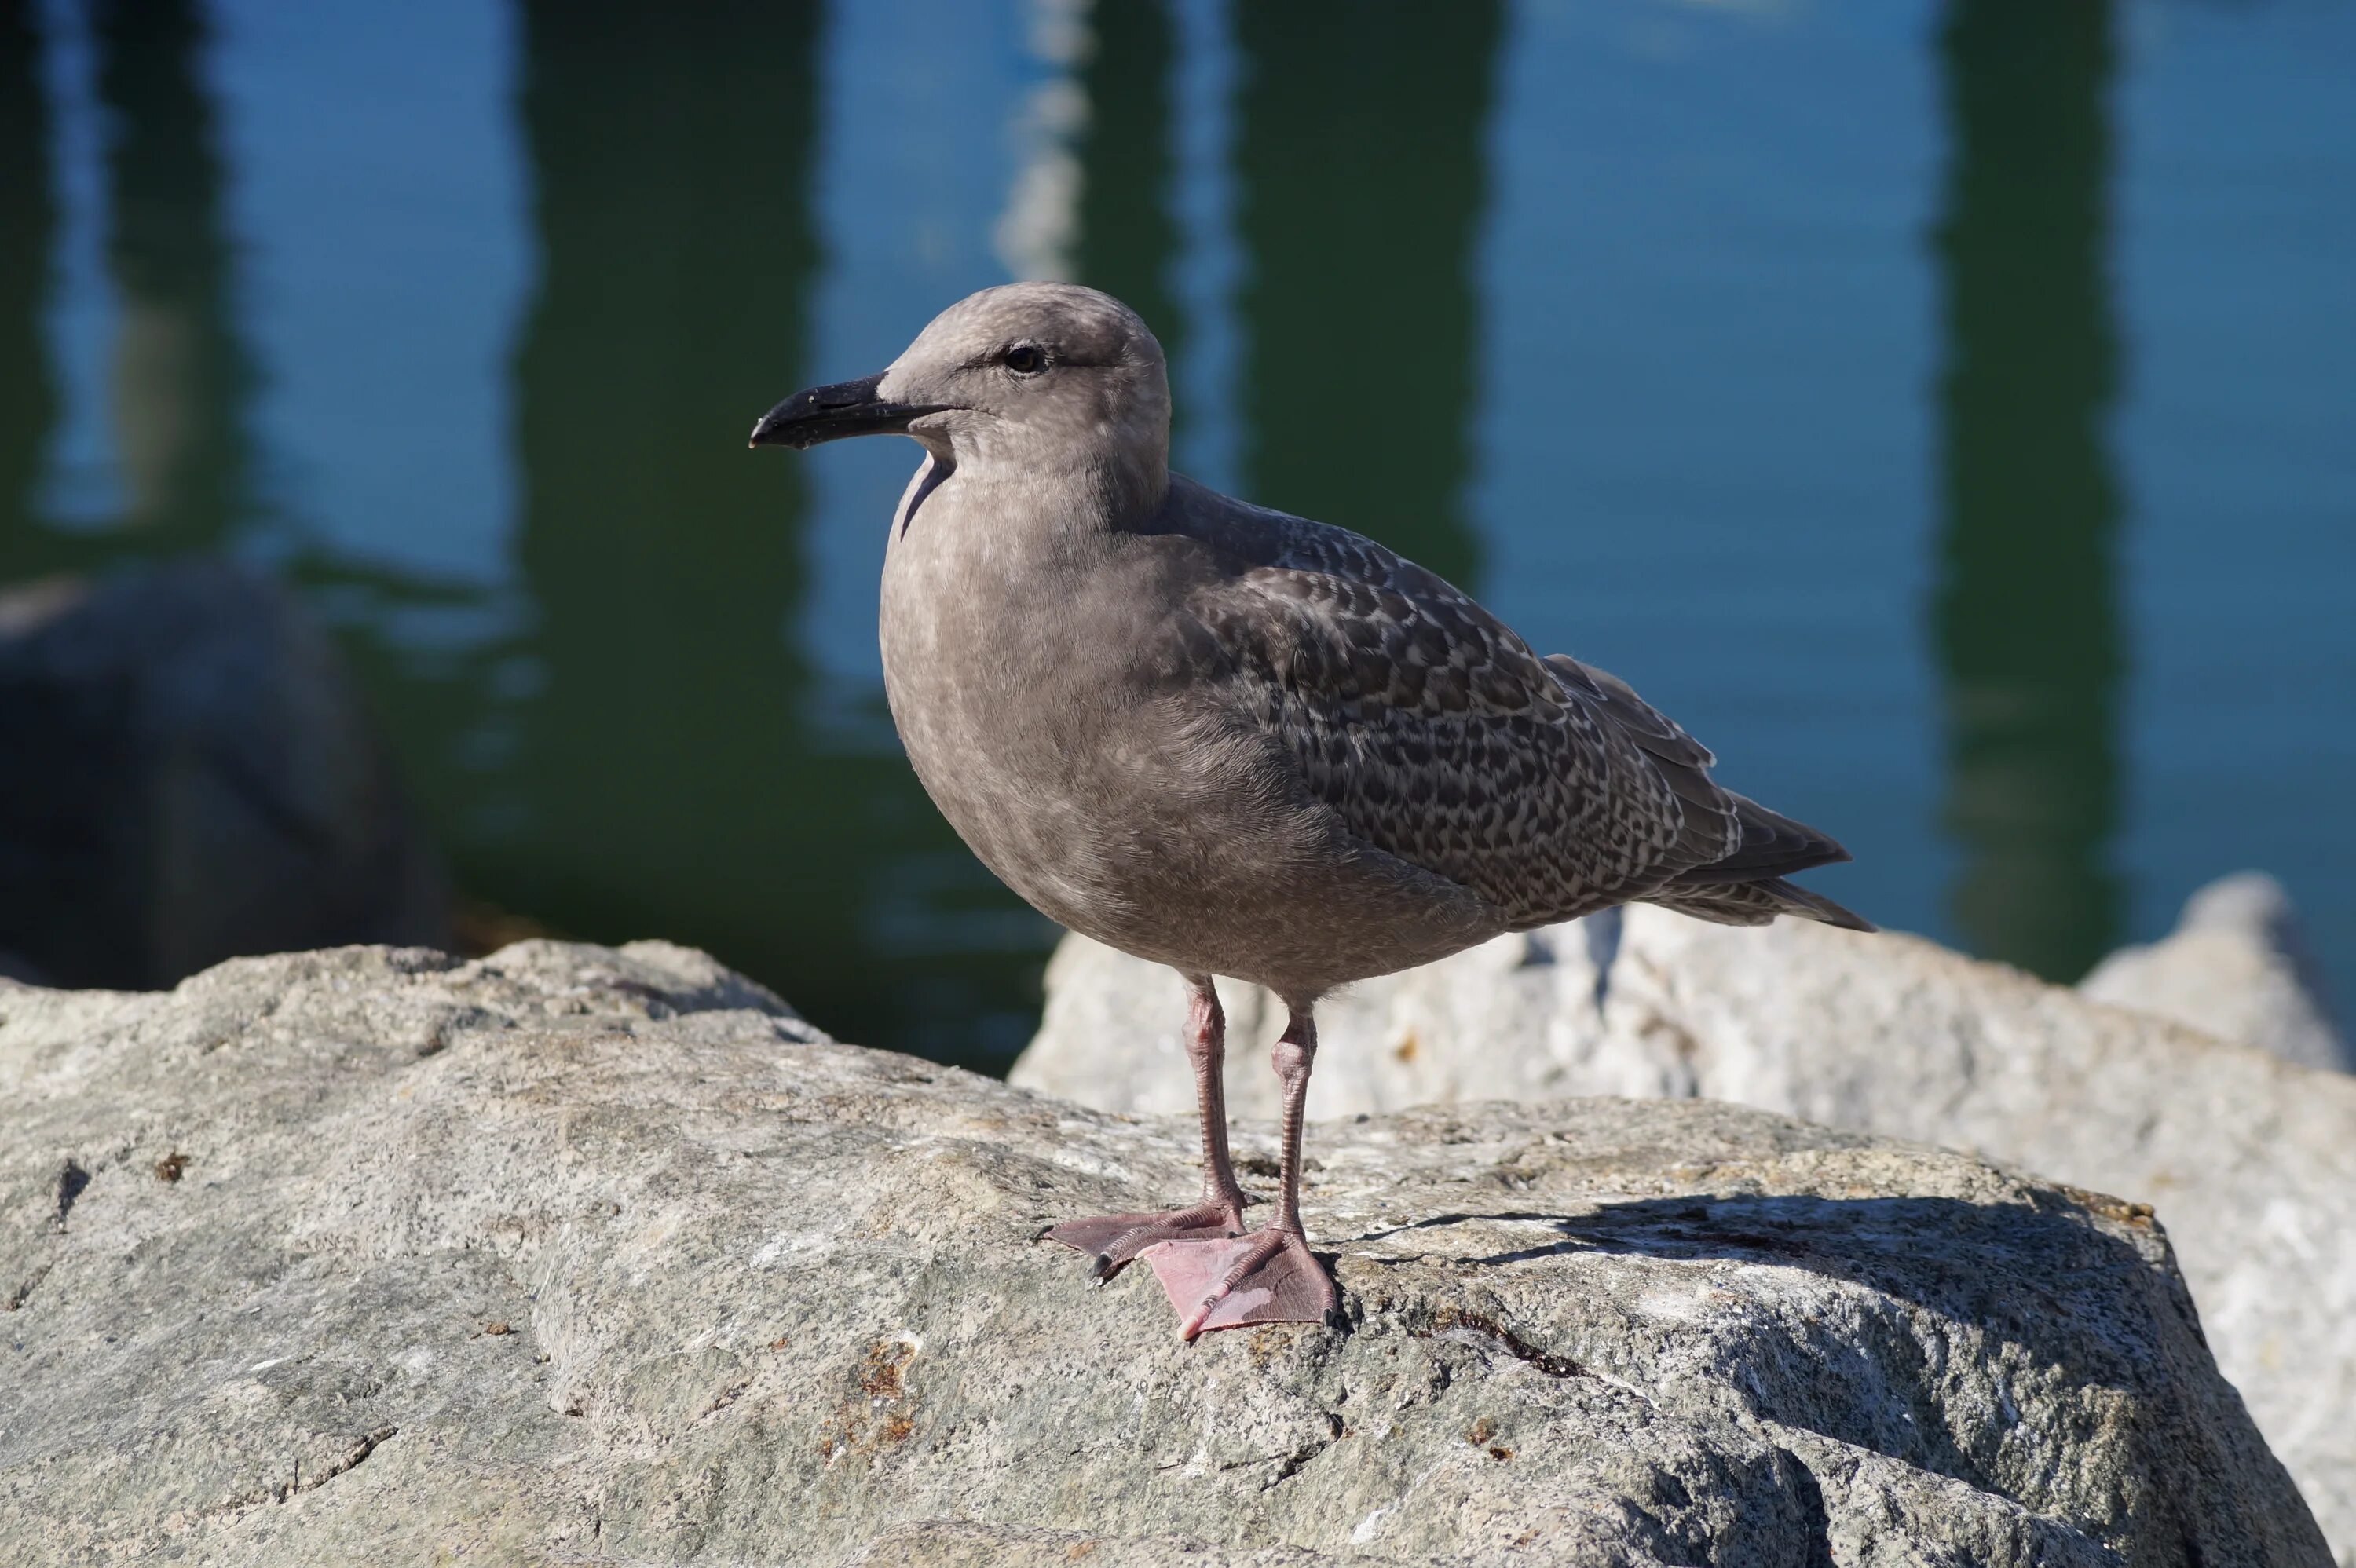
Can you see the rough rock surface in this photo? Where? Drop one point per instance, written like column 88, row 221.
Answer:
column 2250, row 1160
column 188, row 771
column 2236, row 967
column 578, row 1256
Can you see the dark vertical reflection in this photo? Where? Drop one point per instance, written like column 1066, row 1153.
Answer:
column 1363, row 160
column 1129, row 230
column 2026, row 625
column 28, row 398
column 179, row 377
column 662, row 746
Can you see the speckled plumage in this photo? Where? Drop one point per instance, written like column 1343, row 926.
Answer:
column 1548, row 787
column 1240, row 742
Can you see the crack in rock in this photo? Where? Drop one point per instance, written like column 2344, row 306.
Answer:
column 1289, row 1465
column 16, row 1298
column 71, row 1180
column 298, row 1483
column 1472, row 1328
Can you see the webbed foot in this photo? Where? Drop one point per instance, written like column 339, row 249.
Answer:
column 1111, row 1240
column 1268, row 1277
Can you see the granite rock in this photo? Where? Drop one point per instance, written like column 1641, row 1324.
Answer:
column 570, row 1254
column 2250, row 1159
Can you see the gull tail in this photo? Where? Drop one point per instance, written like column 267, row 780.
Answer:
column 1749, row 886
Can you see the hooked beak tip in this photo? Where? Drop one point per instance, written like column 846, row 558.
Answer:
column 829, row 414
column 780, row 426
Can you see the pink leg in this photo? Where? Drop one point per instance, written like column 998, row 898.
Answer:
column 1114, row 1238
column 1270, row 1275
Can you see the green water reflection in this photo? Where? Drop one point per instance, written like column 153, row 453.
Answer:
column 1129, row 237
column 178, row 380
column 28, row 213
column 1361, row 159
column 669, row 777
column 620, row 726
column 2027, row 621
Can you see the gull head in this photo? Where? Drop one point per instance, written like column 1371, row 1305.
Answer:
column 1038, row 375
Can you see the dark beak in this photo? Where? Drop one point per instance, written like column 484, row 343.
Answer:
column 830, row 413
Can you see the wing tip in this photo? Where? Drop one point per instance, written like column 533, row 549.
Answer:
column 1799, row 900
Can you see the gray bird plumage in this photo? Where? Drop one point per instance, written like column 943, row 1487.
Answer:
column 1234, row 741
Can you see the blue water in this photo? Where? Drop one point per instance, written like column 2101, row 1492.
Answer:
column 1946, row 413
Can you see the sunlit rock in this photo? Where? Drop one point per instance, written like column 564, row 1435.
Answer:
column 578, row 1255
column 2250, row 1160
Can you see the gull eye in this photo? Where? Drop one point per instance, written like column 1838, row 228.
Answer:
column 1026, row 359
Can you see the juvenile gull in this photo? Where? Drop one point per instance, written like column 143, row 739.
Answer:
column 1239, row 743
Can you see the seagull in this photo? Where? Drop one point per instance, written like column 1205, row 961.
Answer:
column 1238, row 742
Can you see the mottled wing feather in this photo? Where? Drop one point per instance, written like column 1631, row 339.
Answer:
column 1438, row 736
column 1712, row 824
column 1733, row 837
column 1647, row 725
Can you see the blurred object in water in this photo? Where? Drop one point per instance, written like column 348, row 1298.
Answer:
column 181, row 373
column 188, row 773
column 2025, row 621
column 1128, row 231
column 2236, row 967
column 29, row 209
column 1400, row 98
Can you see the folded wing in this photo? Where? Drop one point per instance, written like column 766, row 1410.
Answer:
column 1546, row 786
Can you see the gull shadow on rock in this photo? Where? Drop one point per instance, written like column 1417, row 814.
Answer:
column 2033, row 1276
column 2002, row 1256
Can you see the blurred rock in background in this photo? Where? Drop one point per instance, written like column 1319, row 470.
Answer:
column 189, row 773
column 2237, row 967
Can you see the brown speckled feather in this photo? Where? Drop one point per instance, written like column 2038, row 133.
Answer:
column 1545, row 785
